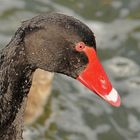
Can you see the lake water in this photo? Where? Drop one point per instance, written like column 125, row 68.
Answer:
column 74, row 112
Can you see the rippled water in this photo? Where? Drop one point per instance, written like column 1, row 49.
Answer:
column 76, row 113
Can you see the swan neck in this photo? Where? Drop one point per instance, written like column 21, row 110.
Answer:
column 15, row 82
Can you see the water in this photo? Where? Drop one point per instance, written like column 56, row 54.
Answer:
column 76, row 113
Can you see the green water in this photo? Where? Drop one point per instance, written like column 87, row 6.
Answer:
column 74, row 112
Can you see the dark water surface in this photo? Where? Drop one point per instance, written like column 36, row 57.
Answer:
column 76, row 113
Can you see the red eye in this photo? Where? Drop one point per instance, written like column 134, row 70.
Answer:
column 80, row 46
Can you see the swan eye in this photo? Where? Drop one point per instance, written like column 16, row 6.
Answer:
column 80, row 46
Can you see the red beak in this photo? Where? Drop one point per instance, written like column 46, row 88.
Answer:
column 95, row 78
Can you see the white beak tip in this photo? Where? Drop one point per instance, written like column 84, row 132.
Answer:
column 113, row 98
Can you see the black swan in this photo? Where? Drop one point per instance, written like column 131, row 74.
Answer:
column 53, row 42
